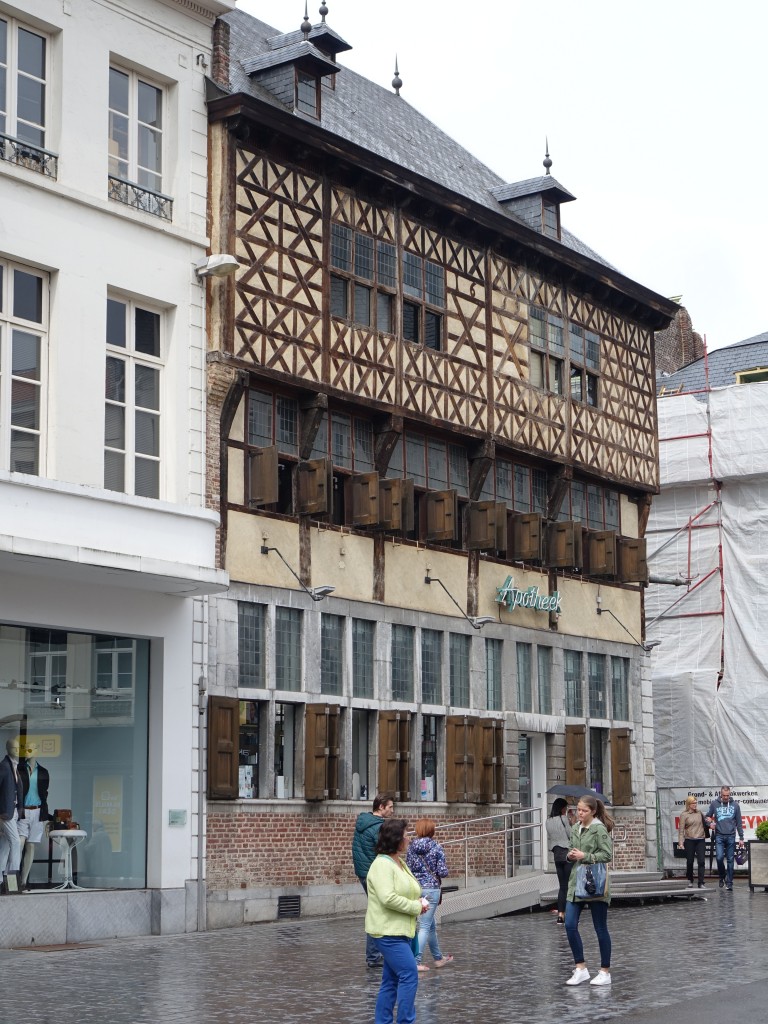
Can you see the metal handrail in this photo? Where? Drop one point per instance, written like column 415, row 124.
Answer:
column 533, row 827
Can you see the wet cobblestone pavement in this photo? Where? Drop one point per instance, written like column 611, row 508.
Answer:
column 711, row 955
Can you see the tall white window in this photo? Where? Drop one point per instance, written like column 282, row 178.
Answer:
column 23, row 60
column 135, row 129
column 132, row 394
column 23, row 323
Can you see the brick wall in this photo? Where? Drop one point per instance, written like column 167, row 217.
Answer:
column 678, row 345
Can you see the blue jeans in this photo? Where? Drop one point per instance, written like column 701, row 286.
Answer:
column 399, row 980
column 725, row 848
column 599, row 920
column 372, row 954
column 427, row 927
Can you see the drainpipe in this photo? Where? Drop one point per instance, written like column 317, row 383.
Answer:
column 202, row 704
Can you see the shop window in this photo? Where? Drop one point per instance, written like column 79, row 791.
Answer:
column 322, row 728
column 459, row 648
column 395, row 754
column 251, row 653
column 574, row 686
column 598, row 741
column 402, row 663
column 288, row 640
column 249, row 760
column 621, row 767
column 544, row 677
column 493, row 654
column 363, row 651
column 114, row 676
column 620, row 688
column 431, row 666
column 524, row 686
column 596, row 685
column 430, row 732
column 331, row 654
column 286, row 735
column 576, row 755
column 363, row 724
column 23, row 362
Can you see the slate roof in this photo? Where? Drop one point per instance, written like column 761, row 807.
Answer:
column 375, row 118
column 533, row 186
column 301, row 53
column 724, row 364
column 330, row 39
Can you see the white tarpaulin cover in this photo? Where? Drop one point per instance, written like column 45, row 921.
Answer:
column 707, row 735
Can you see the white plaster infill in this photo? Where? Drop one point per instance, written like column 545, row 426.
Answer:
column 92, row 535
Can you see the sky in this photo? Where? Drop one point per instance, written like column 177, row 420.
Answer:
column 654, row 111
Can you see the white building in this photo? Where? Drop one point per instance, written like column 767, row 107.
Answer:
column 708, row 532
column 107, row 553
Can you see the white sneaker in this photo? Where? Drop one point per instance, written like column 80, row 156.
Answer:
column 579, row 975
column 601, row 978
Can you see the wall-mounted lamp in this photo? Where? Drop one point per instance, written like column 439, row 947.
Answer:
column 648, row 646
column 316, row 593
column 476, row 621
column 217, row 265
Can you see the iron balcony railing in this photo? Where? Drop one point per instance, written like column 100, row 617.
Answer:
column 24, row 154
column 140, row 198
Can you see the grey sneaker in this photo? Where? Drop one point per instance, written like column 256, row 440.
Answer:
column 690, row 885
column 580, row 974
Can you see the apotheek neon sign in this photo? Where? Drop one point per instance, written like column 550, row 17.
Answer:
column 509, row 596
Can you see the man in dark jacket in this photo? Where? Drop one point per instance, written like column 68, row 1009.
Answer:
column 724, row 816
column 364, row 853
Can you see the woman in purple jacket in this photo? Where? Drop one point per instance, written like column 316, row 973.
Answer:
column 426, row 860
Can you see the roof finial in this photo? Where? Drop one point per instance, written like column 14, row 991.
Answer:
column 397, row 82
column 323, row 10
column 306, row 25
column 547, row 162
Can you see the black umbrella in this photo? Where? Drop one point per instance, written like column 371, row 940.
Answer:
column 574, row 791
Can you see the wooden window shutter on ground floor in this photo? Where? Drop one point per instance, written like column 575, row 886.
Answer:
column 395, row 753
column 461, row 769
column 621, row 767
column 576, row 755
column 490, row 757
column 223, row 747
column 321, row 752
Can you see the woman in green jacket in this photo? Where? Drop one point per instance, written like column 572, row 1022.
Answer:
column 394, row 905
column 590, row 844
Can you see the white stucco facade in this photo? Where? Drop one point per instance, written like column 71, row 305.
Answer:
column 77, row 557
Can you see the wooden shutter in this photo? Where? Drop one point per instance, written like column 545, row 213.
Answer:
column 315, row 487
column 361, row 499
column 632, row 564
column 487, row 526
column 621, row 767
column 395, row 753
column 576, row 755
column 263, row 476
column 321, row 752
column 396, row 505
column 601, row 553
column 564, row 548
column 527, row 537
column 441, row 515
column 223, row 747
column 461, row 783
column 490, row 759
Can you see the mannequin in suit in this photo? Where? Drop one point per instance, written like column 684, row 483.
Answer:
column 11, row 808
column 35, row 781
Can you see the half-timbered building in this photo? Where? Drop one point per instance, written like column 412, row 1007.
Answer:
column 432, row 444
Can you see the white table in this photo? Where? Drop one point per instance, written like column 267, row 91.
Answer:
column 67, row 839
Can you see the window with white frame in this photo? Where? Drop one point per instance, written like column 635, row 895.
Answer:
column 23, row 341
column 135, row 129
column 23, row 74
column 132, row 397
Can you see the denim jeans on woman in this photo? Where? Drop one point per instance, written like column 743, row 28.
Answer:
column 399, row 980
column 427, row 927
column 599, row 911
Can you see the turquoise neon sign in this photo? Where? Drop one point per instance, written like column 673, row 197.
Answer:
column 509, row 596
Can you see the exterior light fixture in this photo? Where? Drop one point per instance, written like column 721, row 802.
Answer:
column 217, row 265
column 316, row 593
column 647, row 646
column 476, row 621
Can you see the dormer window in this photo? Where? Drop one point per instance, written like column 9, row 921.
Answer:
column 307, row 94
column 550, row 218
column 536, row 202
